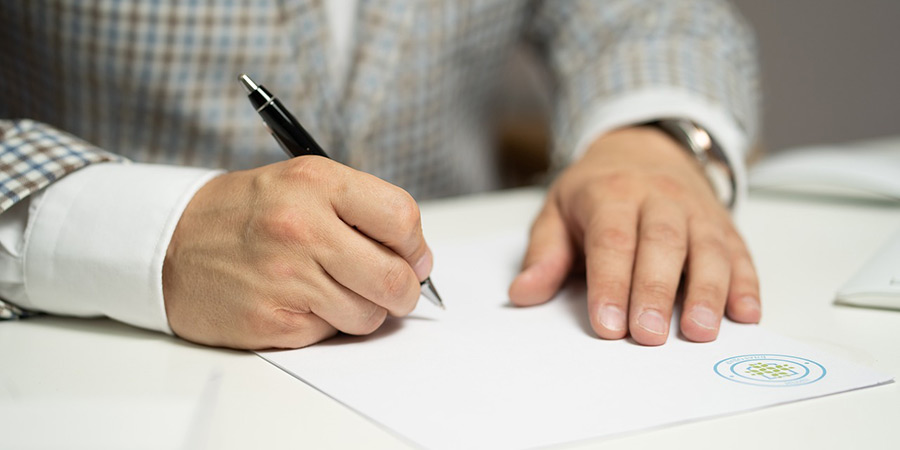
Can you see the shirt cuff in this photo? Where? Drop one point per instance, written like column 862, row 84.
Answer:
column 96, row 242
column 660, row 103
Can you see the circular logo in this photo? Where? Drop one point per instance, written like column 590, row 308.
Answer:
column 770, row 370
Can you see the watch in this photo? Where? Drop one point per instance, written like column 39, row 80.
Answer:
column 707, row 153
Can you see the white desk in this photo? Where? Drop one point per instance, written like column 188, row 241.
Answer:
column 71, row 383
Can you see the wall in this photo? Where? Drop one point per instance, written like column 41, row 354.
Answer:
column 831, row 69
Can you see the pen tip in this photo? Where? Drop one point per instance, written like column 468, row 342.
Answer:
column 430, row 293
column 247, row 83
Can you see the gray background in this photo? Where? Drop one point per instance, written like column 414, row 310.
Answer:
column 830, row 74
column 830, row 69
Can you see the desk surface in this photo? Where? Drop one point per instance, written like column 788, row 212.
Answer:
column 77, row 383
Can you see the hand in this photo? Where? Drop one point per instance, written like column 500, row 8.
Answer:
column 640, row 212
column 286, row 255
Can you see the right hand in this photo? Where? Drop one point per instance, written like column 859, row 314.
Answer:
column 286, row 255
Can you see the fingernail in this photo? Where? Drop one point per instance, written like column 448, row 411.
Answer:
column 652, row 321
column 612, row 318
column 705, row 318
column 749, row 302
column 423, row 265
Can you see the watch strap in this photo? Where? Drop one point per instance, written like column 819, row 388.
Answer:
column 708, row 154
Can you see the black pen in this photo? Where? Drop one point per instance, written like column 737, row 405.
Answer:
column 296, row 141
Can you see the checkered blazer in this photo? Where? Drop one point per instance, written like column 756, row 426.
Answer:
column 155, row 81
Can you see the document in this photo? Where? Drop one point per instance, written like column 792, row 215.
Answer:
column 485, row 374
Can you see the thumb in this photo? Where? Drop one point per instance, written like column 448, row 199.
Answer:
column 547, row 260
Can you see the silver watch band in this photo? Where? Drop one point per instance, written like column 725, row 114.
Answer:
column 707, row 153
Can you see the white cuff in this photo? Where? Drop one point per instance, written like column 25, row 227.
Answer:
column 660, row 103
column 97, row 241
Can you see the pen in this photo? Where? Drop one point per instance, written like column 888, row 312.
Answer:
column 296, row 141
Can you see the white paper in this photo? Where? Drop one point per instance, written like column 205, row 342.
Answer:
column 484, row 374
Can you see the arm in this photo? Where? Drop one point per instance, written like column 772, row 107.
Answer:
column 35, row 155
column 632, row 202
column 82, row 238
column 281, row 256
column 32, row 156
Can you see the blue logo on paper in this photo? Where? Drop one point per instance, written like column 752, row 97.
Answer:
column 770, row 370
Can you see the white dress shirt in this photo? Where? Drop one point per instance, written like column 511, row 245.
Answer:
column 78, row 248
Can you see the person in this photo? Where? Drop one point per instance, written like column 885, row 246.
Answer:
column 101, row 101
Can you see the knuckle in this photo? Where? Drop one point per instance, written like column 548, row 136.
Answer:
column 263, row 181
column 713, row 243
column 269, row 324
column 406, row 213
column 582, row 198
column 594, row 192
column 286, row 322
column 708, row 292
column 663, row 233
column 396, row 283
column 294, row 330
column 307, row 169
column 668, row 184
column 658, row 290
column 617, row 239
column 616, row 181
column 369, row 321
column 746, row 286
column 285, row 225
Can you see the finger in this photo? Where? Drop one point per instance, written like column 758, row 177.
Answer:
column 662, row 246
column 344, row 309
column 305, row 329
column 279, row 328
column 386, row 214
column 609, row 246
column 708, row 277
column 743, row 296
column 369, row 269
column 547, row 261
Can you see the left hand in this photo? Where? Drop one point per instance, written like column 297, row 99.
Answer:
column 639, row 211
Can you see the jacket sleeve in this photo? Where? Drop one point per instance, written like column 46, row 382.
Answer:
column 622, row 62
column 34, row 155
column 85, row 239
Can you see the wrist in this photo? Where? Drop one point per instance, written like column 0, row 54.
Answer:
column 96, row 243
column 639, row 144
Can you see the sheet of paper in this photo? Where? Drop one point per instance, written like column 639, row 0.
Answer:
column 484, row 374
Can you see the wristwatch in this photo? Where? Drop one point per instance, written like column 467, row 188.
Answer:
column 707, row 153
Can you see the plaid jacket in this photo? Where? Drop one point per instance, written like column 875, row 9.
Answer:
column 154, row 81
